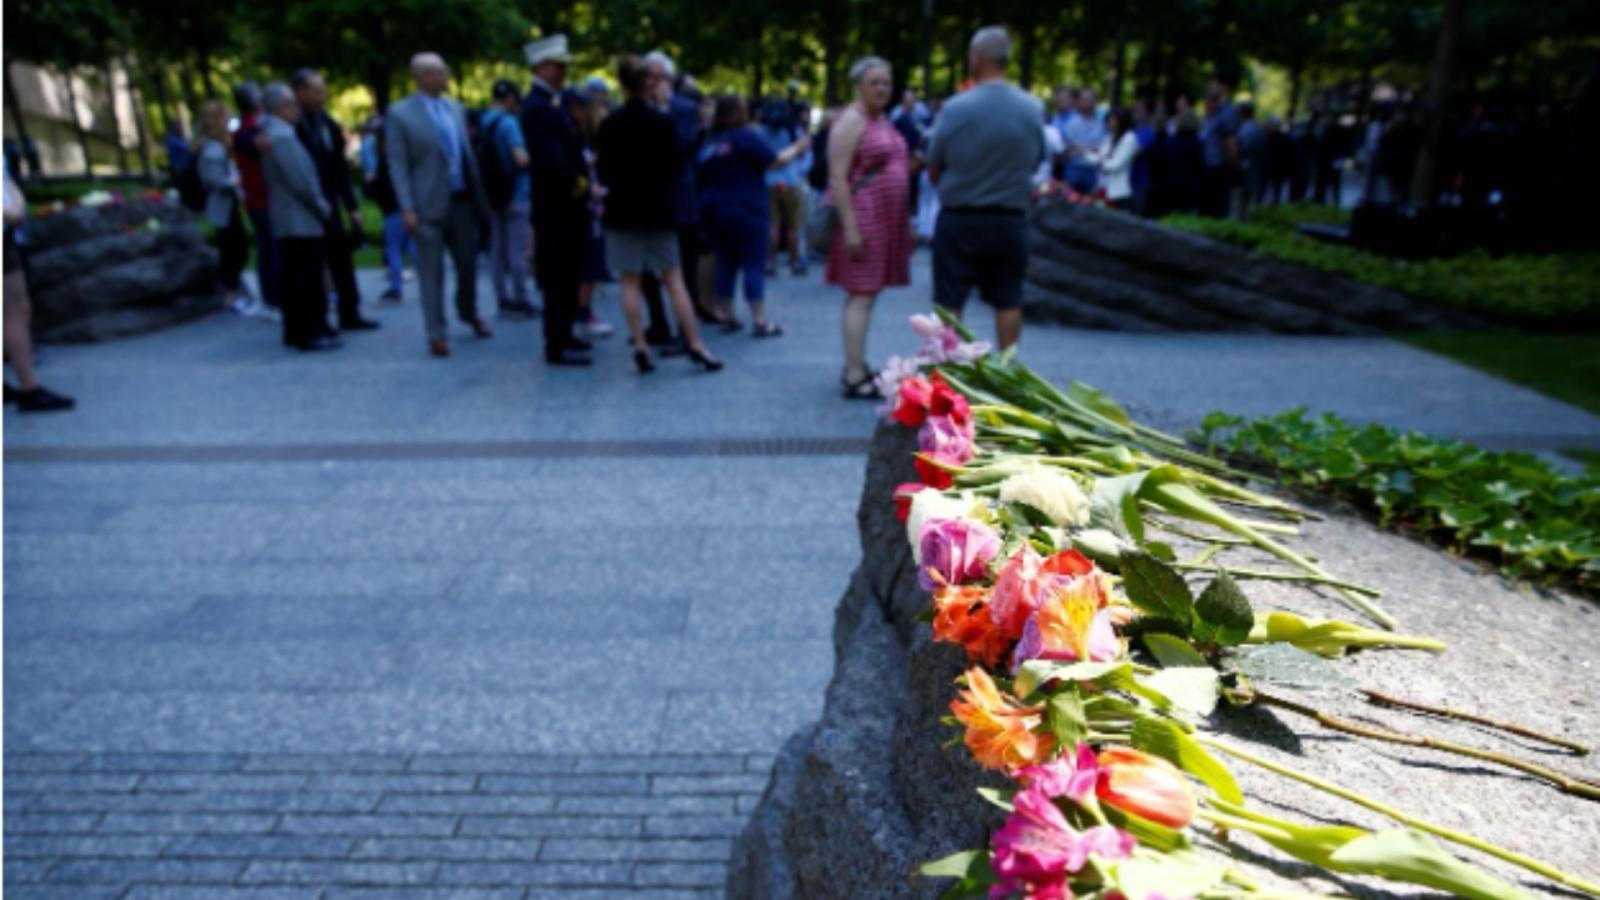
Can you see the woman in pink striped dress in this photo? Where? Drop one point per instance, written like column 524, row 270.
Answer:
column 867, row 162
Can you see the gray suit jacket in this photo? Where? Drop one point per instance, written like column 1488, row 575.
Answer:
column 294, row 196
column 417, row 164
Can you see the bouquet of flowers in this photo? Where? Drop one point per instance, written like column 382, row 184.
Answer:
column 1046, row 525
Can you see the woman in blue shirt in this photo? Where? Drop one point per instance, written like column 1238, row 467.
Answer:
column 734, row 206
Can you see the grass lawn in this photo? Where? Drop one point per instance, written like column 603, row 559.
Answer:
column 1564, row 366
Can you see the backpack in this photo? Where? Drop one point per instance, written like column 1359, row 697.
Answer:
column 499, row 181
column 191, row 193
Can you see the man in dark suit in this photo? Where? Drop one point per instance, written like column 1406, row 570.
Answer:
column 560, row 198
column 324, row 140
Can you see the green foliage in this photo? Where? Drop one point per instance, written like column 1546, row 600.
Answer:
column 1536, row 521
column 1565, row 366
column 1525, row 289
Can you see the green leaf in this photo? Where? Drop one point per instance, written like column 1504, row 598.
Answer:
column 1314, row 844
column 1065, row 717
column 1172, row 651
column 1114, row 504
column 1036, row 672
column 1156, row 588
column 1192, row 689
column 1285, row 665
column 1409, row 855
column 972, row 869
column 1168, row 875
column 997, row 796
column 1099, row 403
column 1222, row 614
column 1150, row 834
column 1165, row 739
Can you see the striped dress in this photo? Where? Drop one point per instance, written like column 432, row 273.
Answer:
column 883, row 215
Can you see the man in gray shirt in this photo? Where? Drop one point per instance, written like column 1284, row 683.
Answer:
column 985, row 148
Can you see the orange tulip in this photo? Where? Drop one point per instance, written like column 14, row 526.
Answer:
column 1000, row 732
column 961, row 616
column 1147, row 786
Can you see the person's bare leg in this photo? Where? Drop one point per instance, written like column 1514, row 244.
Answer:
column 683, row 310
column 632, row 311
column 853, row 324
column 1008, row 327
column 18, row 337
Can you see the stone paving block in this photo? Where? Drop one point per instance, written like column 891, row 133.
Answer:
column 584, row 849
column 733, row 721
column 205, row 801
column 679, row 874
column 324, row 872
column 744, row 783
column 403, row 783
column 621, row 894
column 694, row 826
column 760, row 763
column 475, row 848
column 157, row 662
column 551, row 826
column 186, row 823
column 100, row 870
column 50, row 823
column 163, row 762
column 258, row 846
column 677, row 805
column 564, row 784
column 504, row 763
column 219, row 892
column 25, row 782
column 343, row 763
column 368, row 825
column 222, row 781
column 468, row 804
column 63, row 892
column 654, row 764
column 40, row 845
column 530, row 873
column 42, row 762
column 424, row 893
column 20, row 871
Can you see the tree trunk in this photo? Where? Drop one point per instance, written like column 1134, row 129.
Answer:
column 191, row 107
column 77, row 126
column 1025, row 54
column 16, row 117
column 830, row 66
column 378, row 84
column 116, row 120
column 1119, row 62
column 203, row 57
column 927, row 49
column 1444, row 63
column 140, row 126
column 1296, row 76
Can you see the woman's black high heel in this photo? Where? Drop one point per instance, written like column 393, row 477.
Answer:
column 704, row 361
column 641, row 358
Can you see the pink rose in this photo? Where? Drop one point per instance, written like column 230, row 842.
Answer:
column 955, row 551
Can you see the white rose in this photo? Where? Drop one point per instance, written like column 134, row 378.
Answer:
column 931, row 504
column 1050, row 491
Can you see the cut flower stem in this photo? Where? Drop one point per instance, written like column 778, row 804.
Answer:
column 1382, row 699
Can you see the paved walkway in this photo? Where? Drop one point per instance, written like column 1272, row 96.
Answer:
column 373, row 624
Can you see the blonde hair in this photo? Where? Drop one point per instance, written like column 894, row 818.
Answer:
column 214, row 120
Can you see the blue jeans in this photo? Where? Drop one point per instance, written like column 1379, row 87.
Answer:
column 741, row 246
column 269, row 267
column 396, row 244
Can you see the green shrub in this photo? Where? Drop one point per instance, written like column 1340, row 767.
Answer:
column 1534, row 290
column 1536, row 521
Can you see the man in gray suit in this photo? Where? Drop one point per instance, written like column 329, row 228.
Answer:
column 440, row 195
column 299, row 215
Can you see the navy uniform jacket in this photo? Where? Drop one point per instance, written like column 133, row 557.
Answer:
column 555, row 163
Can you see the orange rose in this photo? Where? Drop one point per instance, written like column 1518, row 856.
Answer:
column 1147, row 786
column 961, row 616
column 1000, row 732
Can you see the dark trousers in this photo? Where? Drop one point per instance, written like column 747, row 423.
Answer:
column 269, row 268
column 338, row 254
column 1216, row 186
column 303, row 300
column 654, row 291
column 233, row 249
column 560, row 242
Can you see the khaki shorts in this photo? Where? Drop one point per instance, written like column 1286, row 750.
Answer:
column 788, row 208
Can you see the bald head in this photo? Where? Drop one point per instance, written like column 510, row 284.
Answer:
column 430, row 72
column 989, row 52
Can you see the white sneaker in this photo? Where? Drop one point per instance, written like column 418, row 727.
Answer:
column 269, row 314
column 247, row 306
column 240, row 306
column 598, row 327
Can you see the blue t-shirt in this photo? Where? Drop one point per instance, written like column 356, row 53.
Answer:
column 733, row 174
column 779, row 140
column 508, row 136
column 1215, row 131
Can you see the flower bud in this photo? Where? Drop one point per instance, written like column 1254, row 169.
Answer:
column 1144, row 785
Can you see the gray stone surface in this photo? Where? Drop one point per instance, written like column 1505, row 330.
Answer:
column 878, row 791
column 382, row 598
column 111, row 271
column 1099, row 268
